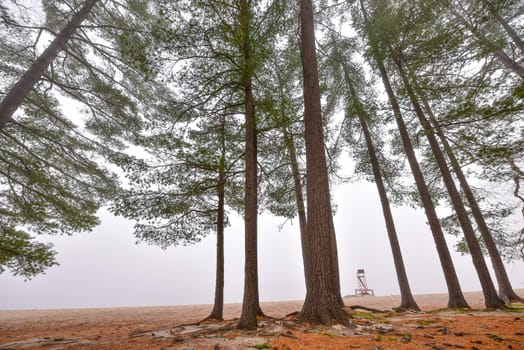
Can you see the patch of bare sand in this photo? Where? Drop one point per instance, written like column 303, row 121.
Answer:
column 157, row 327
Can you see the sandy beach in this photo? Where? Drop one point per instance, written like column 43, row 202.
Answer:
column 157, row 327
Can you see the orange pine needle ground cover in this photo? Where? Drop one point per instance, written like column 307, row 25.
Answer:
column 159, row 328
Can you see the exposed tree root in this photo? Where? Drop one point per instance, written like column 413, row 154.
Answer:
column 515, row 299
column 209, row 318
column 406, row 309
column 326, row 315
column 370, row 309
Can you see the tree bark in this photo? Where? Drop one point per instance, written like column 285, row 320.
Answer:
column 250, row 302
column 323, row 300
column 491, row 298
column 407, row 301
column 506, row 291
column 456, row 297
column 218, row 307
column 19, row 91
column 299, row 196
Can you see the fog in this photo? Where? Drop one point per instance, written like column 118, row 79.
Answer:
column 105, row 268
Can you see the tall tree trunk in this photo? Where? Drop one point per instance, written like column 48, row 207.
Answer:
column 250, row 302
column 218, row 308
column 19, row 91
column 322, row 303
column 507, row 61
column 506, row 291
column 299, row 196
column 407, row 302
column 491, row 298
column 456, row 297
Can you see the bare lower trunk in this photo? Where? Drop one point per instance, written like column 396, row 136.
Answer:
column 218, row 308
column 491, row 298
column 250, row 303
column 299, row 197
column 506, row 291
column 323, row 299
column 407, row 301
column 19, row 91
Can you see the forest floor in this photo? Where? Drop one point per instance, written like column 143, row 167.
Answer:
column 174, row 327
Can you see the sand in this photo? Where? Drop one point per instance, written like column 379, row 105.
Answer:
column 158, row 327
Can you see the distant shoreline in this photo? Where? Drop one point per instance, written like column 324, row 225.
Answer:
column 425, row 301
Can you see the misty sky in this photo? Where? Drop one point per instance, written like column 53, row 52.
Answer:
column 105, row 268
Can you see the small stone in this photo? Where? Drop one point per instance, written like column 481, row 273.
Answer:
column 406, row 338
column 458, row 334
column 338, row 327
column 476, row 341
column 495, row 337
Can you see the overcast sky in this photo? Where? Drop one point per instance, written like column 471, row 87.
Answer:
column 105, row 268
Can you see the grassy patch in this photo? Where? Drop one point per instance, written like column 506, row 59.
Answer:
column 370, row 317
column 262, row 346
column 426, row 322
column 329, row 334
column 514, row 310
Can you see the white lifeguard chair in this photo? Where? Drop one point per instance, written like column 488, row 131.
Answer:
column 362, row 284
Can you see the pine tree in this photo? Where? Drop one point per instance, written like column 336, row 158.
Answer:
column 456, row 297
column 323, row 300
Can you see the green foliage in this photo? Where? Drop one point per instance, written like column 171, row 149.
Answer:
column 53, row 178
column 21, row 255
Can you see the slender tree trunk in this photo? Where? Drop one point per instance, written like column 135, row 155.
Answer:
column 407, row 301
column 456, row 297
column 299, row 196
column 19, row 91
column 511, row 32
column 491, row 298
column 513, row 35
column 507, row 61
column 506, row 291
column 218, row 308
column 250, row 303
column 322, row 303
